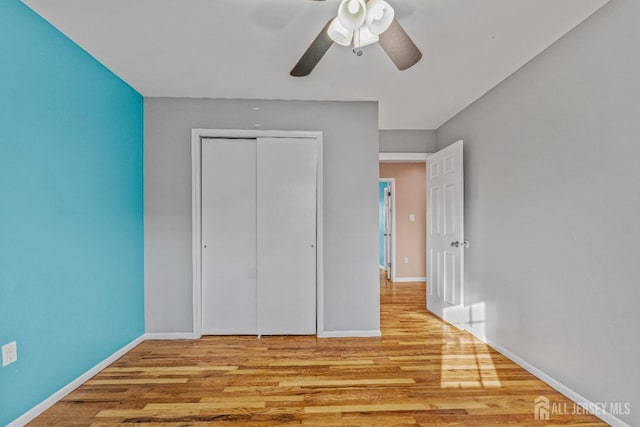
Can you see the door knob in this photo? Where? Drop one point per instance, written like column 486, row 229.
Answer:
column 457, row 244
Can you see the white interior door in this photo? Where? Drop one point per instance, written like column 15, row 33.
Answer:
column 229, row 236
column 388, row 229
column 445, row 230
column 286, row 230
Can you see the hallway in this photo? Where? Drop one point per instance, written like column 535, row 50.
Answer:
column 421, row 372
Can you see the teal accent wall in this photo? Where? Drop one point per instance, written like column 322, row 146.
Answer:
column 381, row 187
column 71, row 210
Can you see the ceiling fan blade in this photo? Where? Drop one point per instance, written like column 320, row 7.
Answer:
column 314, row 54
column 399, row 46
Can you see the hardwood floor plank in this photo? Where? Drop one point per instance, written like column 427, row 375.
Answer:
column 168, row 369
column 259, row 398
column 139, row 381
column 374, row 407
column 331, row 363
column 312, row 382
column 206, row 406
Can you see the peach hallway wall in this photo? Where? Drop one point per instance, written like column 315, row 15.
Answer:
column 410, row 199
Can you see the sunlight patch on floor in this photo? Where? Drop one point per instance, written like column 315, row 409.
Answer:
column 462, row 372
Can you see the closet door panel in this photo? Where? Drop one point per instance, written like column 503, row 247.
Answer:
column 229, row 236
column 286, row 235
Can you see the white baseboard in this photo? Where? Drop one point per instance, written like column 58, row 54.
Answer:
column 60, row 394
column 382, row 267
column 349, row 334
column 170, row 336
column 409, row 279
column 563, row 389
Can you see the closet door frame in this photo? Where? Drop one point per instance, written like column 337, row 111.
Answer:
column 197, row 135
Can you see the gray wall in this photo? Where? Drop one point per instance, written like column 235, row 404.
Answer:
column 407, row 141
column 350, row 201
column 553, row 208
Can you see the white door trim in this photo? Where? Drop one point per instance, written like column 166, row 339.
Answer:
column 196, row 213
column 392, row 181
column 403, row 157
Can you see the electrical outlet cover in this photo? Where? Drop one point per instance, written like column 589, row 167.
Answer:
column 9, row 353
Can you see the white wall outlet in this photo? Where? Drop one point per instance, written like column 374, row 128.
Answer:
column 9, row 353
column 412, row 217
column 406, row 260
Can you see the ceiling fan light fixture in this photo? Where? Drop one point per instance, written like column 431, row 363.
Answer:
column 339, row 34
column 379, row 17
column 352, row 14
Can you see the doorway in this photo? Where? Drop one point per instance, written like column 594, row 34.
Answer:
column 444, row 228
column 407, row 221
column 386, row 229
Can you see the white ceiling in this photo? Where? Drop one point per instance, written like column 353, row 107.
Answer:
column 246, row 48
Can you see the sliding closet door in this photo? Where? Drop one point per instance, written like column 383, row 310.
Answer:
column 286, row 235
column 228, row 236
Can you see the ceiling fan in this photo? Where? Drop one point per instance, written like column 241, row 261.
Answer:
column 360, row 24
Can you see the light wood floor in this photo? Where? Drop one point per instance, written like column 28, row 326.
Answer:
column 421, row 372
